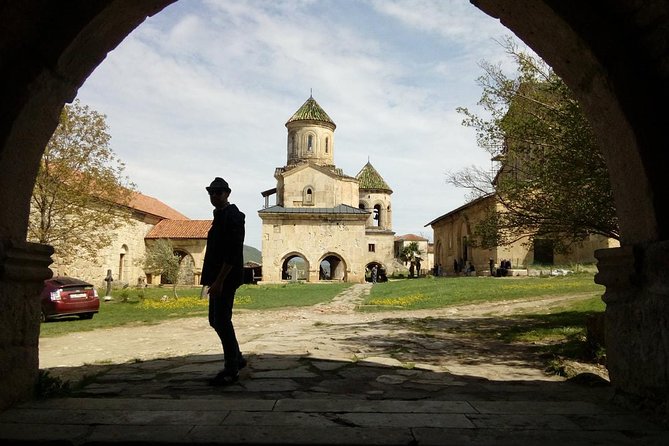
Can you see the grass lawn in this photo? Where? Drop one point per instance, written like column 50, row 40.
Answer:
column 147, row 305
column 559, row 326
column 559, row 331
column 414, row 294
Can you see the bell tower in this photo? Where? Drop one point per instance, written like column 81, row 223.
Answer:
column 310, row 135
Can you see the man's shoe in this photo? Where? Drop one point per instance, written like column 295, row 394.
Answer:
column 224, row 378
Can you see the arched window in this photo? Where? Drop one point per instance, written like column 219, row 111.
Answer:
column 122, row 263
column 377, row 215
column 308, row 196
column 310, row 143
column 327, row 144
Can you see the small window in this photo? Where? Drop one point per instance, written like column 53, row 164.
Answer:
column 371, row 247
column 377, row 215
column 310, row 143
column 327, row 145
column 308, row 196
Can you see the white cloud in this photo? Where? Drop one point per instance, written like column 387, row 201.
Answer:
column 204, row 89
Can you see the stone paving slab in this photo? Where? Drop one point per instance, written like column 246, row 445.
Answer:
column 513, row 437
column 540, row 407
column 523, row 422
column 218, row 404
column 340, row 382
column 286, row 435
column 408, row 420
column 337, row 405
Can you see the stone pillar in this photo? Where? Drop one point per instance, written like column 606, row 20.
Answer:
column 637, row 318
column 23, row 268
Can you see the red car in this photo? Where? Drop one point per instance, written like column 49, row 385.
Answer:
column 67, row 296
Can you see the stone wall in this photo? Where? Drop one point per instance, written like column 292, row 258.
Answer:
column 449, row 234
column 313, row 239
column 383, row 250
column 128, row 243
column 637, row 319
column 328, row 190
column 371, row 199
column 23, row 269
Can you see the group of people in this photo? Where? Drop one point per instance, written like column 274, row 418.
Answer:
column 503, row 270
column 377, row 274
column 460, row 266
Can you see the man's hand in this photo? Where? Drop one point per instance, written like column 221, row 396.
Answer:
column 216, row 288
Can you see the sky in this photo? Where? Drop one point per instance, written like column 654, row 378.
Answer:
column 204, row 89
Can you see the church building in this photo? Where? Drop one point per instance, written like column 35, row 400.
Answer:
column 325, row 224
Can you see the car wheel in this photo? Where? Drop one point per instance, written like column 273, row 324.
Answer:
column 86, row 316
column 42, row 316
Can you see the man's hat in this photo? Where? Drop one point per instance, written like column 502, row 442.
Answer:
column 218, row 184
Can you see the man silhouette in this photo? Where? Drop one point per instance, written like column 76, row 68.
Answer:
column 222, row 272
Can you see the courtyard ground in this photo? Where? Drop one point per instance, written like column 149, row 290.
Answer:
column 326, row 375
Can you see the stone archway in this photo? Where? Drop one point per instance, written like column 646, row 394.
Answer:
column 333, row 266
column 294, row 267
column 612, row 57
column 381, row 272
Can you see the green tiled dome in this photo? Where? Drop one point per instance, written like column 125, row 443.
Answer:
column 369, row 179
column 311, row 111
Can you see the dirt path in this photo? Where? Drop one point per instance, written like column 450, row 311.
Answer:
column 445, row 338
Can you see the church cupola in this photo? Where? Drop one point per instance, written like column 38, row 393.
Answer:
column 310, row 135
column 375, row 198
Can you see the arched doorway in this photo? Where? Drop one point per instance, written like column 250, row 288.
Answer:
column 381, row 272
column 186, row 267
column 295, row 267
column 122, row 260
column 186, row 272
column 612, row 56
column 332, row 267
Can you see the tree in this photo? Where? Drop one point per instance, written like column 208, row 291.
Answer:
column 552, row 183
column 160, row 258
column 80, row 195
column 410, row 254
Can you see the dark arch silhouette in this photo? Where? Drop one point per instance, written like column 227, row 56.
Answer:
column 293, row 263
column 332, row 267
column 613, row 56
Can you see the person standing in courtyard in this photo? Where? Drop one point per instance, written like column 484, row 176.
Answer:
column 222, row 272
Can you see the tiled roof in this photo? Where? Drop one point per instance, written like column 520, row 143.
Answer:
column 154, row 206
column 194, row 229
column 340, row 209
column 328, row 170
column 369, row 178
column 461, row 208
column 311, row 111
column 410, row 238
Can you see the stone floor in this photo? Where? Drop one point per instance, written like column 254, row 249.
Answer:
column 326, row 390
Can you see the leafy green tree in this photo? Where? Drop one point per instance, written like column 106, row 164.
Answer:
column 80, row 195
column 409, row 252
column 552, row 182
column 160, row 258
